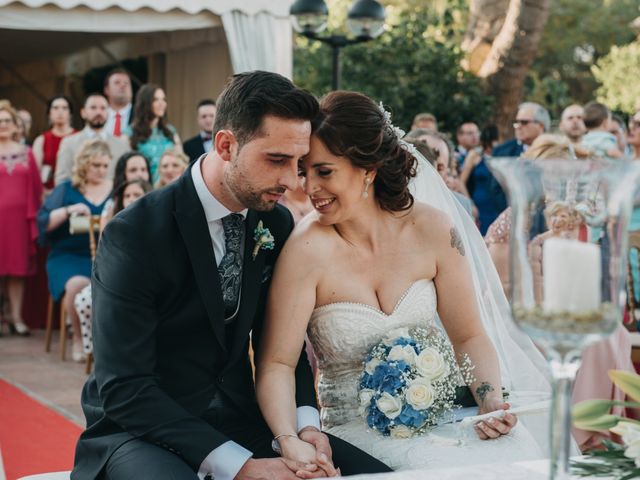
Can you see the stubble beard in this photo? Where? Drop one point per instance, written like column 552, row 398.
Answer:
column 245, row 194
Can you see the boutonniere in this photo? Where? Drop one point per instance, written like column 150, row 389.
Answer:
column 263, row 238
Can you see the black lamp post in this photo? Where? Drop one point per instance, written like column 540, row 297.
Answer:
column 365, row 21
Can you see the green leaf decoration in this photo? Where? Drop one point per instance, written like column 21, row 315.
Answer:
column 628, row 382
column 604, row 422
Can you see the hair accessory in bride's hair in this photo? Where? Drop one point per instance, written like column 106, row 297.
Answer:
column 397, row 131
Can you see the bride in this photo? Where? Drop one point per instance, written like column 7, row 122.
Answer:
column 374, row 257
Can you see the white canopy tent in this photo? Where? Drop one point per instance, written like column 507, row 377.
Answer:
column 67, row 37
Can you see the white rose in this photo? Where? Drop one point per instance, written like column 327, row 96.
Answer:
column 371, row 365
column 389, row 405
column 420, row 394
column 395, row 334
column 633, row 451
column 403, row 352
column 431, row 365
column 630, row 434
column 365, row 396
column 401, row 431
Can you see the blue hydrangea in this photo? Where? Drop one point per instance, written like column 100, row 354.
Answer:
column 378, row 420
column 411, row 417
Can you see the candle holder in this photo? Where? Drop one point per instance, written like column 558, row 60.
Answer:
column 568, row 256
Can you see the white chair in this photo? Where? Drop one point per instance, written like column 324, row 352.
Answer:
column 48, row 476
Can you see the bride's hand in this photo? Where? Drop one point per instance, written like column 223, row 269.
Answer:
column 496, row 426
column 295, row 449
column 301, row 451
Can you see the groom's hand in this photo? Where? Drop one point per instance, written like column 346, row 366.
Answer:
column 321, row 443
column 277, row 469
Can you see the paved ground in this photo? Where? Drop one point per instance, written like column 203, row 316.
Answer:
column 43, row 376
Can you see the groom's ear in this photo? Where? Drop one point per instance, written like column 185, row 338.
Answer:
column 223, row 144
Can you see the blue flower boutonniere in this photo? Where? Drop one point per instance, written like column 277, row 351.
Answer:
column 263, row 238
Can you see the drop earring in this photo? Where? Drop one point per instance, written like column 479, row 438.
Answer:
column 367, row 181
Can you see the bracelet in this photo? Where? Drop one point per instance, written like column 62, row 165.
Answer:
column 285, row 435
column 275, row 445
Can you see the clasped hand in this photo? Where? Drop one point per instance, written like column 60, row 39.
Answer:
column 311, row 448
column 494, row 427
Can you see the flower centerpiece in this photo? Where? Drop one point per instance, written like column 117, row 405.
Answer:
column 615, row 461
column 409, row 382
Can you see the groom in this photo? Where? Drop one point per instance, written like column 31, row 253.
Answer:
column 179, row 282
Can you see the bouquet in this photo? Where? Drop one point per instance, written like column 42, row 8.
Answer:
column 409, row 382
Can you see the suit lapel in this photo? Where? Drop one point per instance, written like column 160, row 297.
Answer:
column 251, row 282
column 193, row 227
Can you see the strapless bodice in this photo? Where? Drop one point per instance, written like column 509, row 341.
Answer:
column 342, row 333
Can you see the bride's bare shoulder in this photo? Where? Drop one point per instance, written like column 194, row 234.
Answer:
column 310, row 239
column 430, row 220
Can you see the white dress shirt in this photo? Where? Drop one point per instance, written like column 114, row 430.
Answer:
column 125, row 115
column 224, row 462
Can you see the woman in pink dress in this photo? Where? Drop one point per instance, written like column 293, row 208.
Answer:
column 45, row 146
column 20, row 195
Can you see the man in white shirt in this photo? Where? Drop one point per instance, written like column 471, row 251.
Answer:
column 117, row 89
column 180, row 284
column 94, row 114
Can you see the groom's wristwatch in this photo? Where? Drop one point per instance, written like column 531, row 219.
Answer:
column 275, row 444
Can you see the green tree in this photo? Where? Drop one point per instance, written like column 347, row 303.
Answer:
column 618, row 73
column 577, row 34
column 414, row 66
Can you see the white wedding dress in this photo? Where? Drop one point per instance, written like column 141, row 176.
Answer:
column 342, row 334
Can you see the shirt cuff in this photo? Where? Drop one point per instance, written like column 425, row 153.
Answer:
column 307, row 417
column 224, row 462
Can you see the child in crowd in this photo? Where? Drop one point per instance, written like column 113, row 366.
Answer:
column 598, row 140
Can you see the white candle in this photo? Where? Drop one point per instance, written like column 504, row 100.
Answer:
column 571, row 275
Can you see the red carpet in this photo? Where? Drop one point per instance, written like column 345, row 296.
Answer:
column 34, row 438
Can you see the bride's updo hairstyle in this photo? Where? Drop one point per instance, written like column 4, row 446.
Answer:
column 352, row 125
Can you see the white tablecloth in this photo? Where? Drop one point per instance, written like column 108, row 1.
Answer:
column 532, row 470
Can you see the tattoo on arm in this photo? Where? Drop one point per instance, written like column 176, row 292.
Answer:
column 456, row 241
column 483, row 390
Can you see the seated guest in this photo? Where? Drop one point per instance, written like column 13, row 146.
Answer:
column 46, row 146
column 94, row 114
column 69, row 261
column 150, row 132
column 130, row 166
column 197, row 146
column 20, row 196
column 125, row 195
column 172, row 164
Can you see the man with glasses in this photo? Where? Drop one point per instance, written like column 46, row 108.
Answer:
column 531, row 121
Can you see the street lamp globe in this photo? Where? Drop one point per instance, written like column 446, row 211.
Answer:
column 309, row 16
column 366, row 19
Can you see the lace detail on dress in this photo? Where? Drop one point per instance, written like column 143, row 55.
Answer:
column 342, row 334
column 500, row 230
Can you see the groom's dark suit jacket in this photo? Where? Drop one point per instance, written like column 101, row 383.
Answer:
column 161, row 350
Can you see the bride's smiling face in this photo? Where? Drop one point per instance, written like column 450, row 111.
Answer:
column 333, row 183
